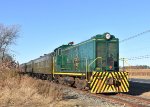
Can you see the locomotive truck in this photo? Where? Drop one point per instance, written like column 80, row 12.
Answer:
column 92, row 64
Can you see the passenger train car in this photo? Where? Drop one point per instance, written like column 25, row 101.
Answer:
column 92, row 64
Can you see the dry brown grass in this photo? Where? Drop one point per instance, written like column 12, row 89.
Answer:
column 138, row 70
column 139, row 73
column 17, row 91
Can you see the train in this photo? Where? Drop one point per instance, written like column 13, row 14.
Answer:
column 90, row 65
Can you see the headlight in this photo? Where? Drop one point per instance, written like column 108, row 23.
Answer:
column 108, row 36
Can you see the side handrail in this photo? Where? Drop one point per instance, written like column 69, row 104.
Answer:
column 91, row 64
column 53, row 66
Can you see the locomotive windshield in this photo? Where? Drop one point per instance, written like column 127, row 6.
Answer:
column 108, row 50
column 101, row 52
column 112, row 55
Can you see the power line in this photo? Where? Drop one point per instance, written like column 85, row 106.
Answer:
column 139, row 57
column 132, row 37
column 137, row 35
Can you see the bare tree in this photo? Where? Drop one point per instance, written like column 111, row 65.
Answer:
column 8, row 35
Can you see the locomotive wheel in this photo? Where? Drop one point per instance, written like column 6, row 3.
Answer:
column 69, row 80
column 80, row 84
column 49, row 77
column 43, row 76
column 56, row 79
column 61, row 80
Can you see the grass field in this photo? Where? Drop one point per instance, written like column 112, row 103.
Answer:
column 139, row 73
column 17, row 91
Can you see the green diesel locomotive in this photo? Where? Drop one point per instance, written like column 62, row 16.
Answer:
column 92, row 64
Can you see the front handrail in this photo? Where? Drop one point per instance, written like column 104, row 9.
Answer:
column 94, row 61
column 91, row 64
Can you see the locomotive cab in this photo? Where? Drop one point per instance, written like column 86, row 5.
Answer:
column 107, row 47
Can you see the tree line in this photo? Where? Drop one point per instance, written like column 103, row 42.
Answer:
column 136, row 67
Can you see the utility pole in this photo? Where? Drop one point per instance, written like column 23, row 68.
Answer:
column 123, row 65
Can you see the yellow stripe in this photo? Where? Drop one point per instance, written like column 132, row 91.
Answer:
column 93, row 89
column 103, row 82
column 125, row 86
column 113, row 87
column 97, row 86
column 104, row 89
column 100, row 83
column 122, row 87
column 126, row 79
column 67, row 73
column 110, row 89
column 113, row 75
column 94, row 85
column 125, row 82
column 91, row 78
column 95, row 76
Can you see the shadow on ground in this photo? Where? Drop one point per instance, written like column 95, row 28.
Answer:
column 138, row 88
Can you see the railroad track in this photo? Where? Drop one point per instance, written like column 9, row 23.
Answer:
column 132, row 101
column 136, row 99
column 125, row 100
column 121, row 99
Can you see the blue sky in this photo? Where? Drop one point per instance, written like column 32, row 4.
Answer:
column 47, row 24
